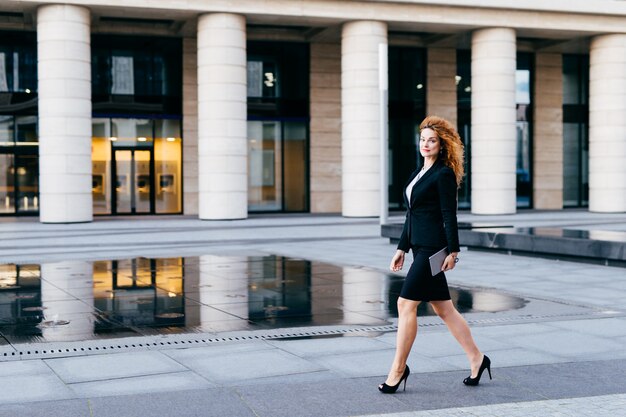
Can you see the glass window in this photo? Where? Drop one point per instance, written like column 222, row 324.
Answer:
column 263, row 79
column 7, row 134
column 25, row 75
column 132, row 132
column 7, row 188
column 122, row 74
column 277, row 166
column 136, row 75
column 167, row 166
column 18, row 66
column 5, row 70
column 523, row 95
column 295, row 167
column 575, row 130
column 19, row 168
column 100, row 64
column 27, row 179
column 407, row 108
column 463, row 81
column 278, row 103
column 26, row 130
column 264, row 166
column 101, row 166
column 278, row 79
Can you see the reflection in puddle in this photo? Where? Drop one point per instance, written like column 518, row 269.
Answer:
column 133, row 297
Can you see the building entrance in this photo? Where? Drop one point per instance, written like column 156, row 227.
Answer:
column 136, row 166
column 133, row 192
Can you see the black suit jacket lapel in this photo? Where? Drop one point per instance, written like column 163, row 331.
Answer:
column 413, row 175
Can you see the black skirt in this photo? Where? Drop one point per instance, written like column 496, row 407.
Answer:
column 419, row 284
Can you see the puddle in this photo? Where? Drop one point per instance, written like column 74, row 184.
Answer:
column 134, row 297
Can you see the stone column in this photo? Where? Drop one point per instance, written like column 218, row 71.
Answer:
column 607, row 124
column 360, row 147
column 325, row 136
column 440, row 86
column 494, row 141
column 548, row 132
column 222, row 136
column 64, row 91
column 190, row 126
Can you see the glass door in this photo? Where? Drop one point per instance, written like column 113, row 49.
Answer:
column 133, row 192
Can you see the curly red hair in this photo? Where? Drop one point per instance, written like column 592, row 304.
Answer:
column 452, row 149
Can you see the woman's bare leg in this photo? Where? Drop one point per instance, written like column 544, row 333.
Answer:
column 407, row 330
column 461, row 332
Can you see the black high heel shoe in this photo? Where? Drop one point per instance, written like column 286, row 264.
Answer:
column 486, row 364
column 391, row 389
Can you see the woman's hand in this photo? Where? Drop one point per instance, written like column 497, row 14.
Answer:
column 397, row 261
column 450, row 262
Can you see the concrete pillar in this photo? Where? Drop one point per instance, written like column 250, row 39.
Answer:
column 190, row 126
column 222, row 136
column 493, row 121
column 440, row 86
column 325, row 133
column 607, row 124
column 548, row 132
column 64, row 91
column 360, row 146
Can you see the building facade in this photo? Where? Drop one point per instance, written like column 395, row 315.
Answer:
column 220, row 109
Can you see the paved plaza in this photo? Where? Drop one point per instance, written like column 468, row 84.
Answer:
column 559, row 353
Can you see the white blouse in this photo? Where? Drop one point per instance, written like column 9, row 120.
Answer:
column 409, row 188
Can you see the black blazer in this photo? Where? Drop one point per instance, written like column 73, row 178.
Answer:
column 431, row 217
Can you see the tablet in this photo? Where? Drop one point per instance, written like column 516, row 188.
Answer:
column 436, row 261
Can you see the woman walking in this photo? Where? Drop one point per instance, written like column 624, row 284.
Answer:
column 430, row 226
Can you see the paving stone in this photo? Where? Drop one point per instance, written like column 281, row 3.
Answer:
column 178, row 381
column 335, row 398
column 566, row 343
column 230, row 368
column 601, row 406
column 602, row 327
column 329, row 346
column 197, row 403
column 119, row 365
column 64, row 408
column 24, row 368
column 28, row 388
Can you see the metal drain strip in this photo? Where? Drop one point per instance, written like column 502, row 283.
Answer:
column 49, row 350
column 41, row 351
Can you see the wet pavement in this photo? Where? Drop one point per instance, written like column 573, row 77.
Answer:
column 81, row 300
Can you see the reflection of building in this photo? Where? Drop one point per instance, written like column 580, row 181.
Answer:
column 251, row 106
column 79, row 300
column 20, row 301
